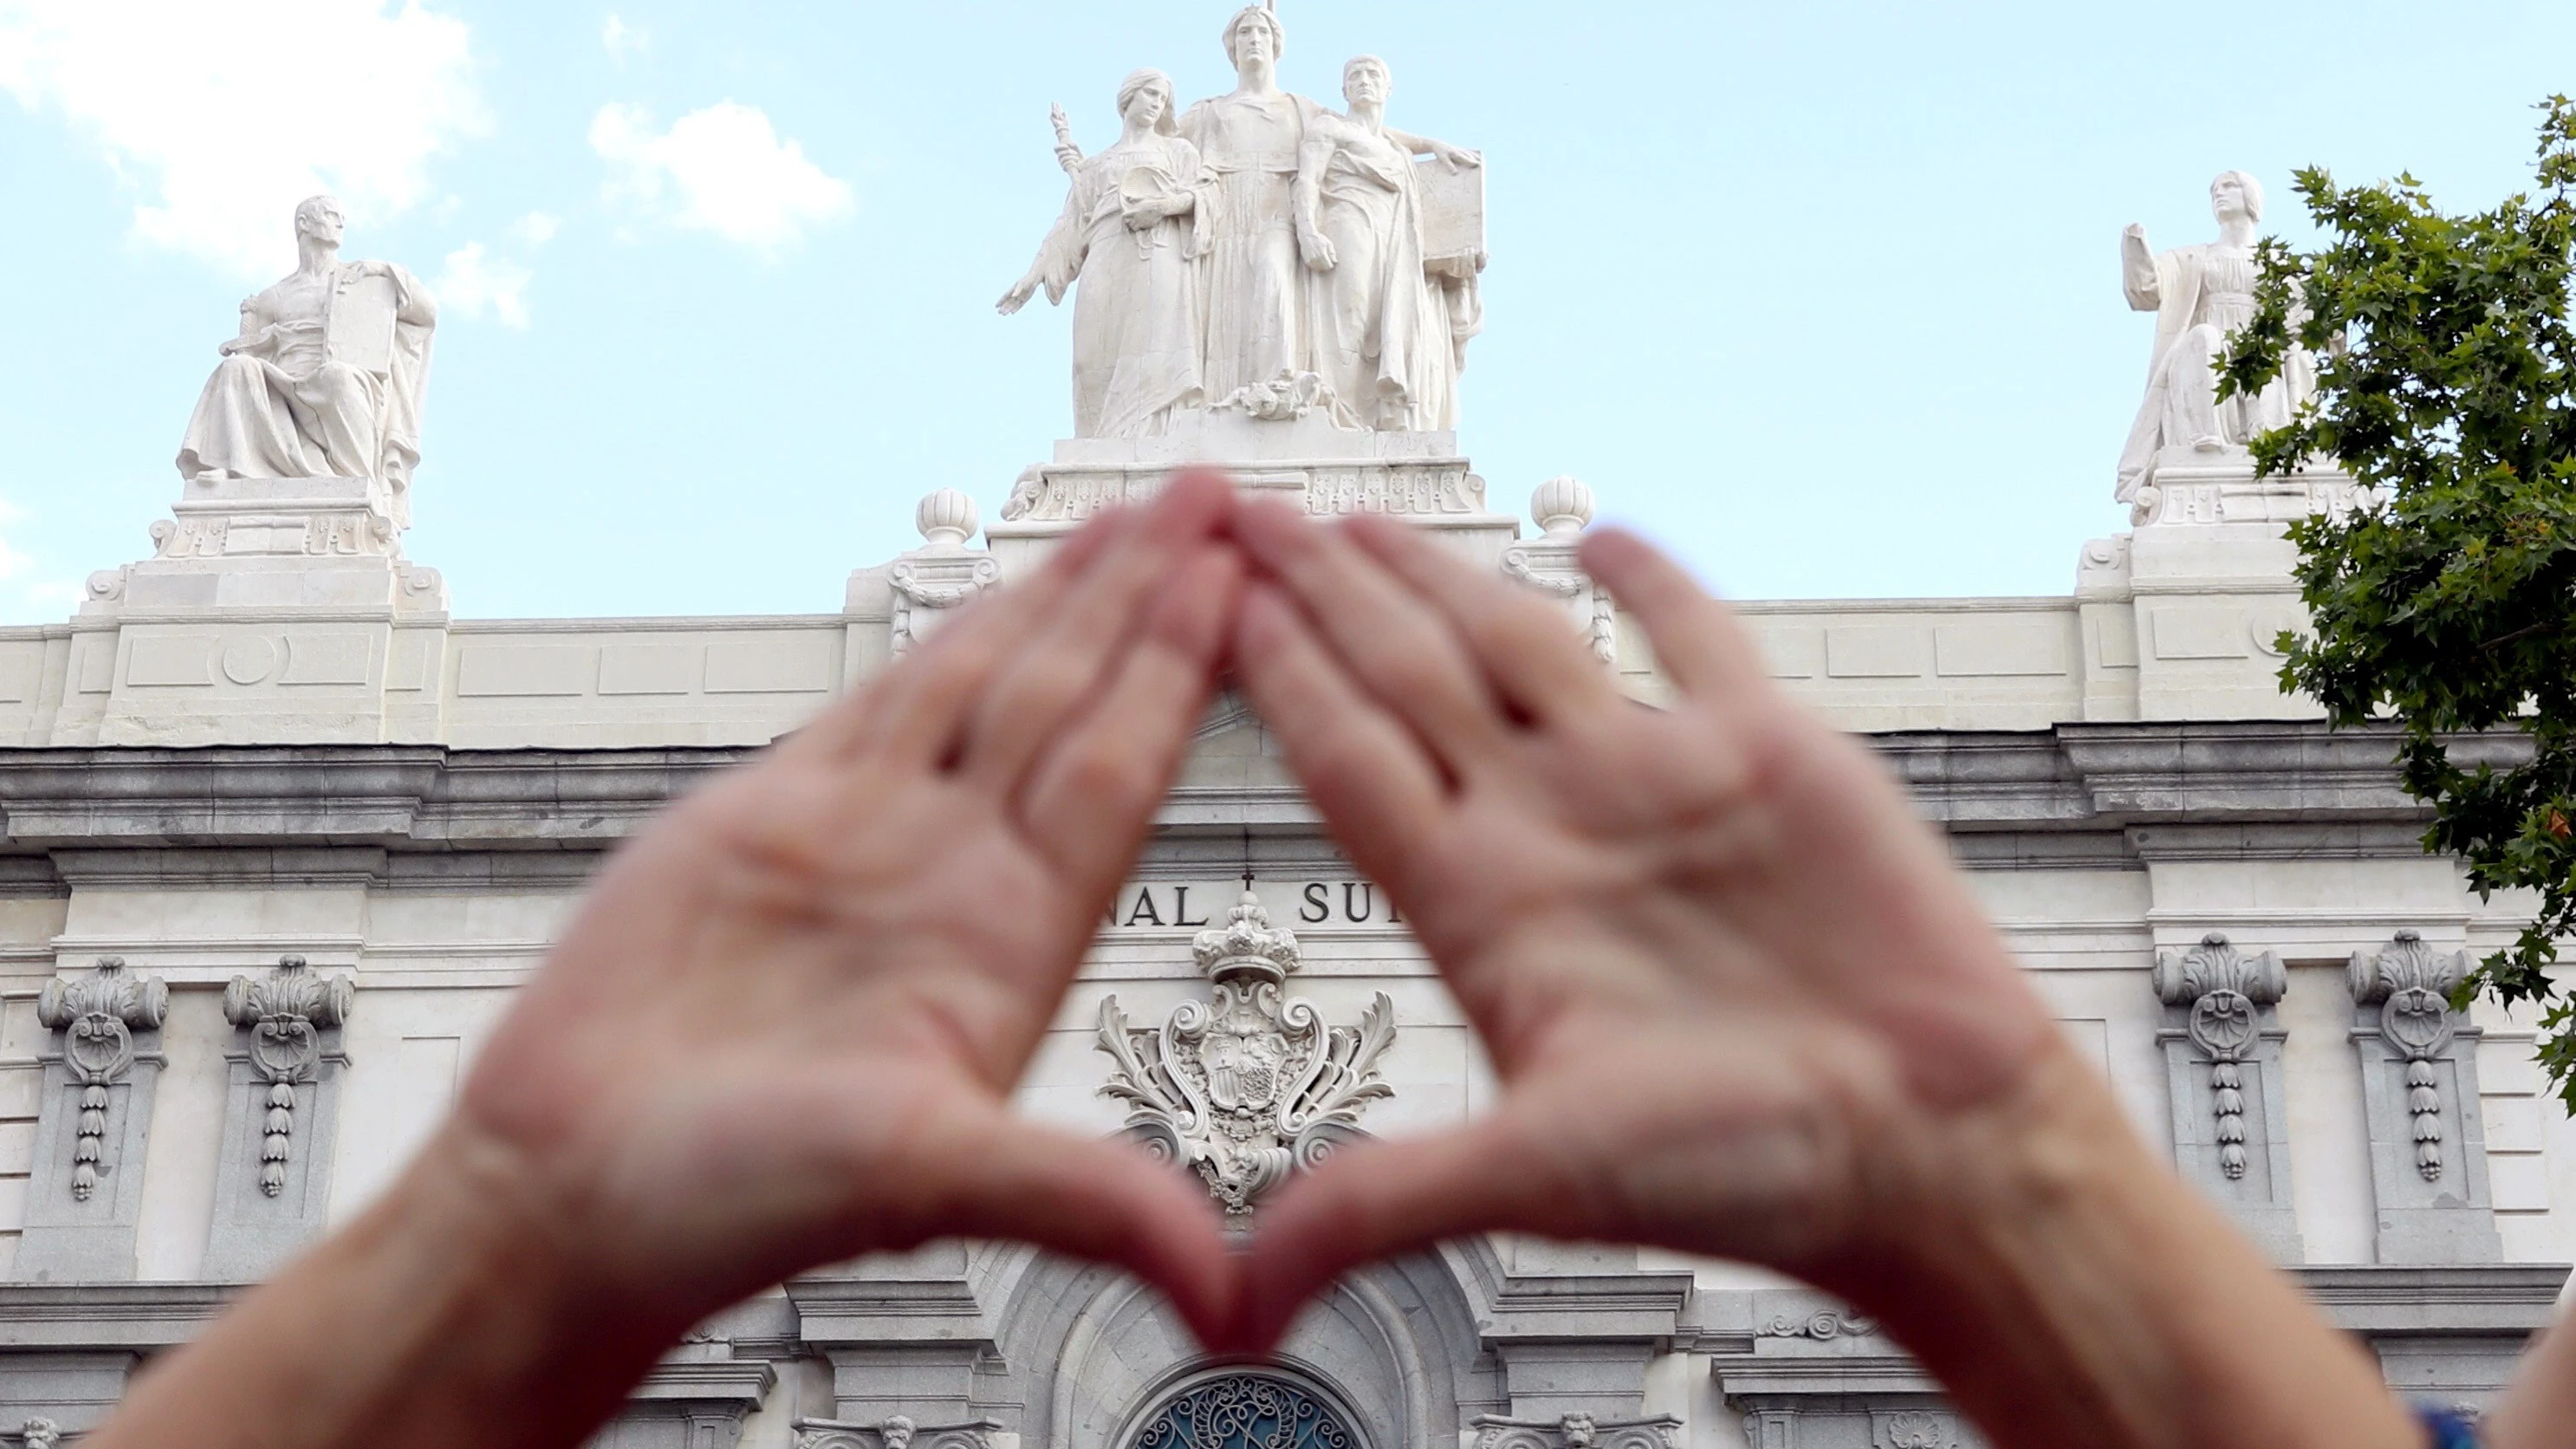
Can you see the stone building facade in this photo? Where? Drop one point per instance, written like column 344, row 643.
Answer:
column 282, row 833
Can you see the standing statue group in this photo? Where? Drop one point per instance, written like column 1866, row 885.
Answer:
column 1258, row 251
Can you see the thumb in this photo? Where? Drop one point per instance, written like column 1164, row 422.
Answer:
column 1382, row 1198
column 1105, row 1200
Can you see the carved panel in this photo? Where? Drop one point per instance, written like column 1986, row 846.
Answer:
column 2222, row 1046
column 85, row 1194
column 2428, row 1165
column 273, row 1180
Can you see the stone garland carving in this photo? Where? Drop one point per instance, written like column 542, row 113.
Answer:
column 2411, row 986
column 40, row 1433
column 2225, row 990
column 1562, row 508
column 1575, row 1431
column 941, row 574
column 1249, row 1085
column 1824, row 1325
column 895, row 1431
column 285, row 1013
column 98, row 1016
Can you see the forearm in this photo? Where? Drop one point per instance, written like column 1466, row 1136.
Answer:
column 2069, row 1289
column 446, row 1314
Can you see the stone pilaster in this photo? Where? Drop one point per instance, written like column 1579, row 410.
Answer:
column 85, row 1194
column 2419, row 1071
column 2222, row 1043
column 281, row 1112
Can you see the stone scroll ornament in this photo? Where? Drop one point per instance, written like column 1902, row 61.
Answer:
column 2411, row 986
column 285, row 1013
column 1575, row 1431
column 98, row 1016
column 1250, row 1085
column 2225, row 990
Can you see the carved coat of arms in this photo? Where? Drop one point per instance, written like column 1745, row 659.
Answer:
column 1250, row 1085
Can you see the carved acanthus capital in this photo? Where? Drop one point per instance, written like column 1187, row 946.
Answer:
column 1249, row 1085
column 2224, row 991
column 1575, row 1431
column 98, row 1015
column 2411, row 985
column 285, row 1012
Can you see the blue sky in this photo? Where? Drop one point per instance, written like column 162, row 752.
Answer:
column 1824, row 294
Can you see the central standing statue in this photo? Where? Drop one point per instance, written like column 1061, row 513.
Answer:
column 1250, row 142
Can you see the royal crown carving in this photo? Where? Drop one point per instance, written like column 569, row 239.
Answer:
column 98, row 1015
column 2225, row 991
column 285, row 1012
column 2411, row 985
column 1249, row 1085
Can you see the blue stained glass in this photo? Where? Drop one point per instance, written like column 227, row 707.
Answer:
column 1246, row 1411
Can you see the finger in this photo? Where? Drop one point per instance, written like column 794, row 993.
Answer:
column 1392, row 640
column 1092, row 792
column 1700, row 644
column 1065, row 658
column 1382, row 795
column 1108, row 1201
column 1382, row 1198
column 914, row 707
column 1527, row 648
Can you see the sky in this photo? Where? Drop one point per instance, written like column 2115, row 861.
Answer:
column 1825, row 295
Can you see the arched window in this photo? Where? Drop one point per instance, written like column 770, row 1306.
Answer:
column 1246, row 1411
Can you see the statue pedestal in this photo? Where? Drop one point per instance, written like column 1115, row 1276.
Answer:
column 2196, row 599
column 275, row 610
column 1304, row 461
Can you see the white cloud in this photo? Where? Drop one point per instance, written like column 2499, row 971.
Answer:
column 535, row 229
column 621, row 40
column 722, row 169
column 474, row 283
column 225, row 113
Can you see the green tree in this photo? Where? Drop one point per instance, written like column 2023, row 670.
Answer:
column 2446, row 383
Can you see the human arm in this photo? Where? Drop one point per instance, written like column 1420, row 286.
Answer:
column 1740, row 1005
column 256, row 337
column 1314, row 154
column 2140, row 280
column 780, row 1032
column 412, row 302
column 1060, row 255
column 1450, row 156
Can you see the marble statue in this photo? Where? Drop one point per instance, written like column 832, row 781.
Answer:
column 2200, row 295
column 1388, row 335
column 1128, row 244
column 1254, row 280
column 326, row 378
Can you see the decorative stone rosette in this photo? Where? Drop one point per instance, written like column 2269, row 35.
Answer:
column 98, row 1016
column 285, row 1013
column 2225, row 991
column 1249, row 1085
column 2411, row 986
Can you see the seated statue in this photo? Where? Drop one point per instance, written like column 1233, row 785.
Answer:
column 325, row 380
column 2201, row 295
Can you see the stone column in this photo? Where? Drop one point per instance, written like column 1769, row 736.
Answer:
column 2223, row 1063
column 281, row 1106
column 86, row 1192
column 2419, row 1079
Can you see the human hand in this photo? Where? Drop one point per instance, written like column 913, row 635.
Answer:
column 1456, row 158
column 784, row 1026
column 1317, row 249
column 1737, row 999
column 1019, row 295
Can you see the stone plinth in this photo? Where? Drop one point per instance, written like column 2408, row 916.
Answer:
column 1304, row 460
column 272, row 609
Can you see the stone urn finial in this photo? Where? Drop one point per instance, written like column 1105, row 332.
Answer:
column 947, row 516
column 1562, row 505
